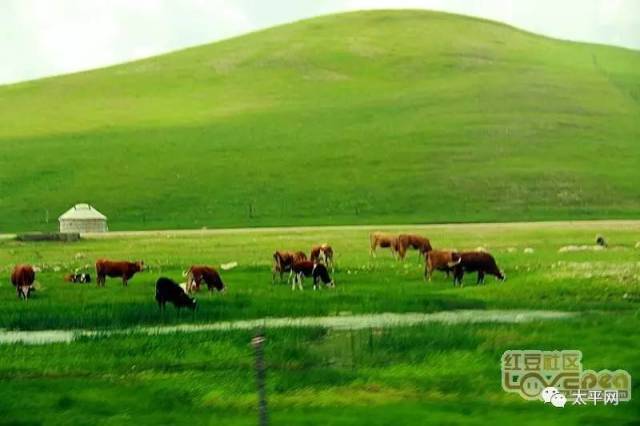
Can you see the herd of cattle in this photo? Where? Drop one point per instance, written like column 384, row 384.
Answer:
column 294, row 263
column 448, row 261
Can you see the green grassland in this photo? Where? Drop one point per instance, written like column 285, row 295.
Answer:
column 368, row 117
column 430, row 374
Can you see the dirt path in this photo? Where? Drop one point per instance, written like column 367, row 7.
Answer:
column 574, row 224
column 586, row 224
column 345, row 322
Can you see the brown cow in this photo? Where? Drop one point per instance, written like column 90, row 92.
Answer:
column 307, row 268
column 379, row 239
column 406, row 241
column 22, row 277
column 283, row 261
column 108, row 268
column 208, row 274
column 322, row 253
column 476, row 261
column 439, row 260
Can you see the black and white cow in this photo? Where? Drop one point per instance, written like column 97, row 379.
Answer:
column 307, row 268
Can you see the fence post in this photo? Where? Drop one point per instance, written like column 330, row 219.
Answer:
column 258, row 345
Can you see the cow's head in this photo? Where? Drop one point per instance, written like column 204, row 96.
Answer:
column 323, row 274
column 140, row 265
column 219, row 286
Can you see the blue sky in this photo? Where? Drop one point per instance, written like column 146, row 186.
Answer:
column 47, row 37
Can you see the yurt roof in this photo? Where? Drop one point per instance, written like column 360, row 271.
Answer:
column 82, row 212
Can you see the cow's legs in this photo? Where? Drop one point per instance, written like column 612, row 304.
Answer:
column 480, row 277
column 300, row 278
column 457, row 276
column 428, row 269
column 427, row 273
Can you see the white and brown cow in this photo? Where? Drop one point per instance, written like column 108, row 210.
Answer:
column 23, row 277
column 322, row 253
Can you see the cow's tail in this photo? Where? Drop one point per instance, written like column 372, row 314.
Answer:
column 454, row 262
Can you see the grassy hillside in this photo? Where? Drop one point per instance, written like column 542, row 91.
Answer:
column 383, row 116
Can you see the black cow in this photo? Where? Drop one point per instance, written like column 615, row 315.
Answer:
column 168, row 290
column 476, row 261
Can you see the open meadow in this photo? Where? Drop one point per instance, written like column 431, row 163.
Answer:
column 437, row 372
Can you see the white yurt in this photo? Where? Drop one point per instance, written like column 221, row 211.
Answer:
column 83, row 218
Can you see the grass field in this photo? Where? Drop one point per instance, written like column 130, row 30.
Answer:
column 368, row 117
column 432, row 374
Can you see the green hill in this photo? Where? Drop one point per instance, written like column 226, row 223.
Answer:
column 379, row 117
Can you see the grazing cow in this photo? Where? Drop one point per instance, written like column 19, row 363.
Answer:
column 476, row 261
column 81, row 278
column 406, row 241
column 322, row 253
column 379, row 239
column 168, row 290
column 107, row 268
column 307, row 268
column 22, row 277
column 439, row 260
column 283, row 261
column 211, row 277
